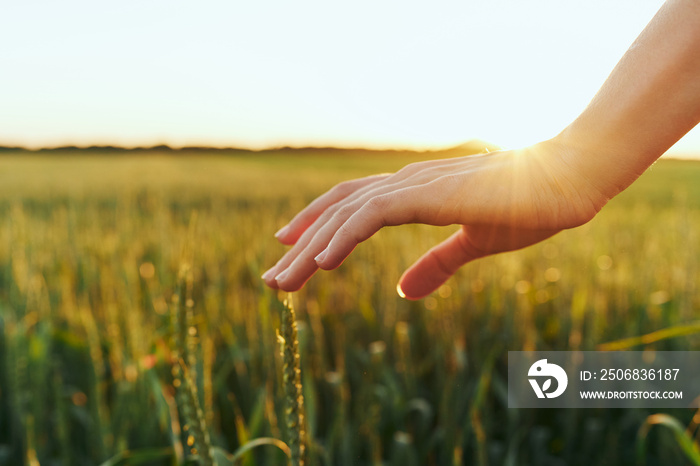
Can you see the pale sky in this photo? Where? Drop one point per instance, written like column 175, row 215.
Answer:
column 266, row 73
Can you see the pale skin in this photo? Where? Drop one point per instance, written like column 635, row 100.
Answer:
column 508, row 200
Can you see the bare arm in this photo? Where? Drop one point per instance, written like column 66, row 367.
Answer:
column 508, row 200
column 649, row 101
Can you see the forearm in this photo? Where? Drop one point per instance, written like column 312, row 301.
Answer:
column 649, row 101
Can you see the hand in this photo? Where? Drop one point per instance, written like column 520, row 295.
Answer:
column 502, row 200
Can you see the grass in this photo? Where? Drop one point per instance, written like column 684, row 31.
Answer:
column 291, row 380
column 91, row 250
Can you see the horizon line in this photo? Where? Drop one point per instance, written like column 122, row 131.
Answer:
column 471, row 144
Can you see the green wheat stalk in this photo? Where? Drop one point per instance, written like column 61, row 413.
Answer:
column 183, row 342
column 291, row 377
column 198, row 440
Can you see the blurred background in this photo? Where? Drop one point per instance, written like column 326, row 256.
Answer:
column 134, row 328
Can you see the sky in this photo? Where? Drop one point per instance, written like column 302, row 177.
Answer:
column 270, row 73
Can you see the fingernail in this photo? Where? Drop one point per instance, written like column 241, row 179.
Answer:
column 267, row 275
column 400, row 291
column 321, row 256
column 282, row 231
column 282, row 276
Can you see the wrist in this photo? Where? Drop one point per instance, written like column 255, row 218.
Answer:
column 575, row 166
column 605, row 163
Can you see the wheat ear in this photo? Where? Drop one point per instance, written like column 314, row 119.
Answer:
column 291, row 377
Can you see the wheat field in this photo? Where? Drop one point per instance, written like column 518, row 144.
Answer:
column 93, row 297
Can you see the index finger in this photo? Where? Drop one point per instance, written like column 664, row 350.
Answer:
column 290, row 233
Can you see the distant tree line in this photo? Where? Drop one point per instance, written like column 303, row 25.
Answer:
column 471, row 147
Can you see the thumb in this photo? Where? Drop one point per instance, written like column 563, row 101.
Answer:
column 436, row 266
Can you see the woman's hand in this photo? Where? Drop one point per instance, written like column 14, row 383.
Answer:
column 509, row 200
column 502, row 200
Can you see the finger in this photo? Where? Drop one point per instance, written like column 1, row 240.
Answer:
column 298, row 264
column 436, row 266
column 405, row 197
column 269, row 277
column 293, row 275
column 300, row 244
column 290, row 233
column 405, row 205
column 333, row 215
column 294, row 278
column 469, row 243
column 351, row 190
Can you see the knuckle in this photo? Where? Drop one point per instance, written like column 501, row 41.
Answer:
column 405, row 170
column 451, row 181
column 343, row 212
column 345, row 231
column 346, row 188
column 378, row 203
column 413, row 168
column 327, row 214
column 443, row 267
column 341, row 189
